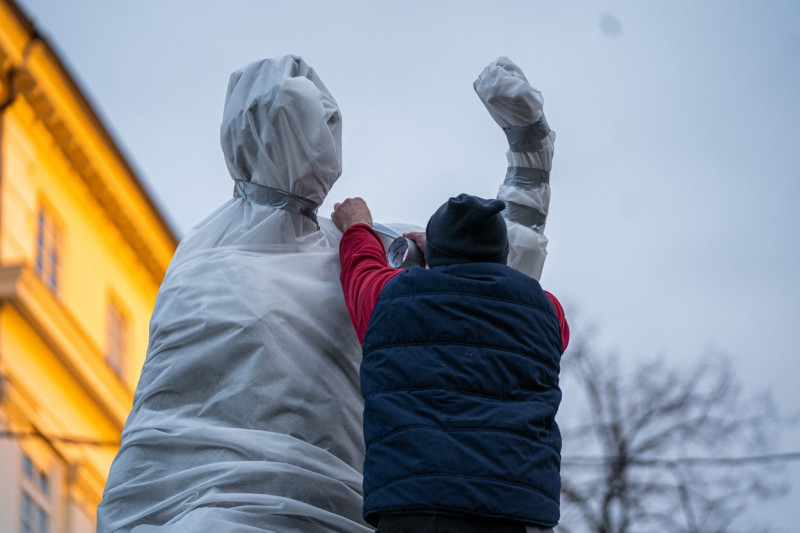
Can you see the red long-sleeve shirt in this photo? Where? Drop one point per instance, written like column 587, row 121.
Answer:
column 365, row 271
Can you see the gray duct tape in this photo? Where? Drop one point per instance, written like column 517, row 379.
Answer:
column 404, row 253
column 401, row 252
column 527, row 138
column 263, row 195
column 384, row 231
column 526, row 178
column 525, row 215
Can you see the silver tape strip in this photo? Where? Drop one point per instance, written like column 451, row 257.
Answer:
column 380, row 228
column 527, row 138
column 526, row 178
column 269, row 196
column 404, row 253
column 523, row 214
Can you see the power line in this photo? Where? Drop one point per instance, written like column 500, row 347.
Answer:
column 574, row 460
column 57, row 438
column 604, row 461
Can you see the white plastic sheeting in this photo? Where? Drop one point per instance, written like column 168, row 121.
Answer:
column 514, row 103
column 247, row 416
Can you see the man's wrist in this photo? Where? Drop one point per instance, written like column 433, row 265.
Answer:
column 349, row 224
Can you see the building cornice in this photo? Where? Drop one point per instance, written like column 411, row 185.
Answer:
column 62, row 108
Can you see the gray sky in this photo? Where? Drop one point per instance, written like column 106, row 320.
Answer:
column 672, row 227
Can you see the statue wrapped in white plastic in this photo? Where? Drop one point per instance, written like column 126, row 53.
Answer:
column 247, row 415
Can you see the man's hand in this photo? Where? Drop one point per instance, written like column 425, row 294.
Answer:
column 351, row 211
column 418, row 237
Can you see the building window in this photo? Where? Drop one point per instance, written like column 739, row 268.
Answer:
column 117, row 339
column 34, row 515
column 47, row 249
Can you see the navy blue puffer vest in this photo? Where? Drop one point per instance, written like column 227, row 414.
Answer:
column 460, row 381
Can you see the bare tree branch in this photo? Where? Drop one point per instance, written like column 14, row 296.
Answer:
column 661, row 448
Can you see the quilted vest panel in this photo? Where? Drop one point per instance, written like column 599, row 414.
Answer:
column 460, row 381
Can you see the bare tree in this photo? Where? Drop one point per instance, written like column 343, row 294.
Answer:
column 659, row 448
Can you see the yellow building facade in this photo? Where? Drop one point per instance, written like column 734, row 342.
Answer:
column 83, row 250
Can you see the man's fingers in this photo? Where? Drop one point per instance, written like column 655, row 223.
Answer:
column 351, row 211
column 418, row 237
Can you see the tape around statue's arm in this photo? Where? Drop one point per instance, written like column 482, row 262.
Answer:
column 527, row 138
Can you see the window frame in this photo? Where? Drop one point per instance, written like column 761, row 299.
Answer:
column 48, row 243
column 117, row 349
column 36, row 508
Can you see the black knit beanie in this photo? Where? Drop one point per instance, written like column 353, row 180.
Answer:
column 467, row 229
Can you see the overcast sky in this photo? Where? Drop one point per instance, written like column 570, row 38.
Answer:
column 673, row 226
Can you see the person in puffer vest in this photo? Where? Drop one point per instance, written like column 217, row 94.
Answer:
column 459, row 376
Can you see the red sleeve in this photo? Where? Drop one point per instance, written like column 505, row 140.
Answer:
column 364, row 273
column 562, row 322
